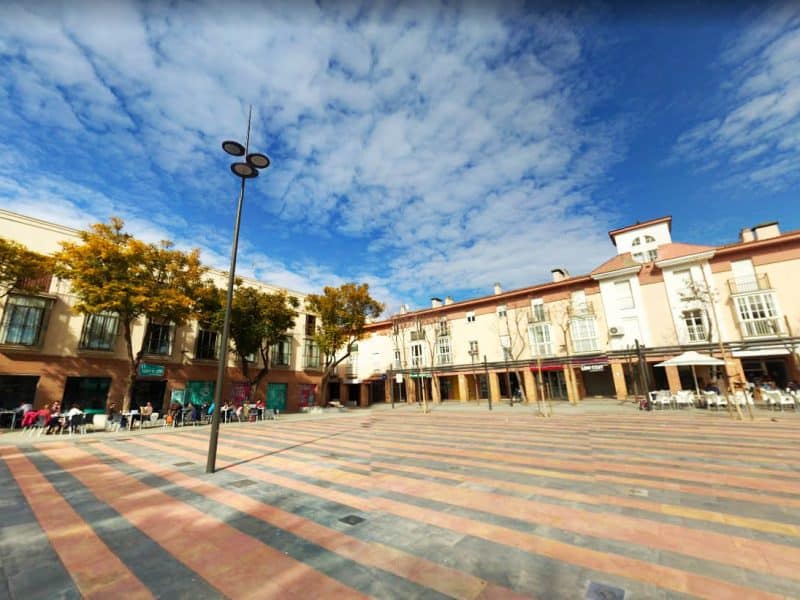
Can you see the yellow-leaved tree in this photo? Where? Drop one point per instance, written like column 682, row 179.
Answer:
column 20, row 268
column 110, row 271
column 343, row 312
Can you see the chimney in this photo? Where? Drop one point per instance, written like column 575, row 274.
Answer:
column 746, row 235
column 765, row 231
column 448, row 300
column 559, row 274
column 436, row 302
column 403, row 309
column 497, row 289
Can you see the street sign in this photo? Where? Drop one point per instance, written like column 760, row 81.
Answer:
column 148, row 370
column 420, row 376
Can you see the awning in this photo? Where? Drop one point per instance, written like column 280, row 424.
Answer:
column 761, row 352
column 547, row 368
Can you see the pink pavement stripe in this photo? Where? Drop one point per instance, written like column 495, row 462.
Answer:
column 429, row 574
column 250, row 570
column 95, row 569
column 599, row 500
column 684, row 487
column 664, row 577
column 766, row 557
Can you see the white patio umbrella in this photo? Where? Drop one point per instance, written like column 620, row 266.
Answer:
column 691, row 359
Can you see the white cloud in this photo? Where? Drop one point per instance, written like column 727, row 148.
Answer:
column 451, row 143
column 754, row 135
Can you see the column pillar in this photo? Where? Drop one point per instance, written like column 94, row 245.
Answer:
column 618, row 374
column 436, row 389
column 363, row 399
column 463, row 390
column 572, row 390
column 344, row 393
column 411, row 389
column 494, row 387
column 531, row 391
column 389, row 388
column 674, row 379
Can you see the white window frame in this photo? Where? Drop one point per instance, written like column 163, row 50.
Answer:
column 276, row 354
column 398, row 360
column 623, row 293
column 417, row 354
column 695, row 322
column 758, row 315
column 502, row 311
column 584, row 334
column 311, row 357
column 444, row 354
column 470, row 317
column 170, row 338
column 541, row 339
column 538, row 313
column 217, row 343
column 473, row 348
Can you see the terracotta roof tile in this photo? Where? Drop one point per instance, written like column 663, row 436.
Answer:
column 621, row 261
column 678, row 249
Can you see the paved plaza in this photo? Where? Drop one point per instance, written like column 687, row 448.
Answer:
column 596, row 502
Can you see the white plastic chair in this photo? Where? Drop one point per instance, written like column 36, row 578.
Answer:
column 777, row 398
column 661, row 398
column 713, row 399
column 743, row 398
column 684, row 397
column 153, row 419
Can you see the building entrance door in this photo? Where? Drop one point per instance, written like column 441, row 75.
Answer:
column 149, row 390
column 276, row 396
column 555, row 385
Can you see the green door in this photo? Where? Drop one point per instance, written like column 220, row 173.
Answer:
column 276, row 395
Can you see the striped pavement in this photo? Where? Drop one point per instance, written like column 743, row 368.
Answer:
column 396, row 504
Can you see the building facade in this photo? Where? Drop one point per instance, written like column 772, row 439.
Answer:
column 49, row 352
column 600, row 333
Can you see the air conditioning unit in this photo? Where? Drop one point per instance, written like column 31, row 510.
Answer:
column 615, row 331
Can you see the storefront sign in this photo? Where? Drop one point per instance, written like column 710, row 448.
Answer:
column 592, row 367
column 420, row 376
column 148, row 370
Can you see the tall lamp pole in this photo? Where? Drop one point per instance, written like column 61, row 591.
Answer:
column 243, row 170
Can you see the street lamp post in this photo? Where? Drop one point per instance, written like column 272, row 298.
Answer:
column 244, row 171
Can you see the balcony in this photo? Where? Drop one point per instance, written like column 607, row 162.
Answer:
column 771, row 326
column 40, row 284
column 539, row 315
column 583, row 309
column 751, row 283
column 442, row 330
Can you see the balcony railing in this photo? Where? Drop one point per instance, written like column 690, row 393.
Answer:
column 539, row 315
column 582, row 309
column 751, row 283
column 442, row 330
column 762, row 327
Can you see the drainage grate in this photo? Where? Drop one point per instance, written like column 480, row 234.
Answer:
column 242, row 483
column 601, row 591
column 352, row 519
column 638, row 492
column 123, row 439
column 184, row 464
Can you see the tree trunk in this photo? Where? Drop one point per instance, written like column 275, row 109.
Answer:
column 133, row 363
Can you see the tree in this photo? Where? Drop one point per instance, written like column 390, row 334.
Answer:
column 259, row 321
column 20, row 268
column 515, row 327
column 700, row 293
column 111, row 271
column 343, row 313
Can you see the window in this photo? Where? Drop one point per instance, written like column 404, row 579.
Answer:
column 24, row 320
column 473, row 348
column 158, row 339
column 541, row 342
column 416, row 355
column 206, row 348
column 352, row 362
column 310, row 355
column 539, row 313
column 443, row 327
column 398, row 361
column 99, row 331
column 624, row 294
column 86, row 392
column 443, row 356
column 636, row 242
column 758, row 315
column 695, row 325
column 584, row 337
column 470, row 317
column 505, row 344
column 311, row 325
column 282, row 353
column 649, row 239
column 646, row 254
column 501, row 311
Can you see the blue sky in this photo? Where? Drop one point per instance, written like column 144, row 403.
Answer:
column 426, row 150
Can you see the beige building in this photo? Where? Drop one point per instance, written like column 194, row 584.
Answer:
column 576, row 337
column 50, row 353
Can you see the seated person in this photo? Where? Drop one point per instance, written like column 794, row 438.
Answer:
column 146, row 410
column 712, row 387
column 56, row 422
column 31, row 416
column 72, row 414
column 195, row 413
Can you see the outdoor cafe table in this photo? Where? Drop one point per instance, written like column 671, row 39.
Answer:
column 13, row 414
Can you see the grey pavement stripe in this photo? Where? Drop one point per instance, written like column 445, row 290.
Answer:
column 156, row 568
column 733, row 507
column 29, row 566
column 366, row 579
column 693, row 564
